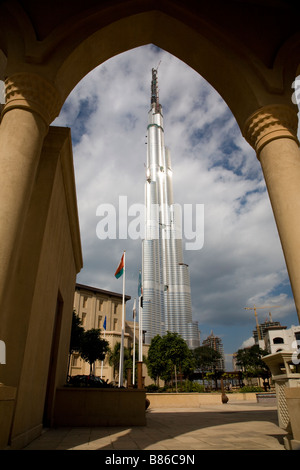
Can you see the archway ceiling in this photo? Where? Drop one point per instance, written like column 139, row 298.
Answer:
column 262, row 26
column 247, row 49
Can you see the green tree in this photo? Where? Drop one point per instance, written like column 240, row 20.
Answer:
column 251, row 363
column 206, row 358
column 92, row 347
column 77, row 332
column 167, row 356
column 206, row 361
column 114, row 360
column 176, row 354
column 155, row 362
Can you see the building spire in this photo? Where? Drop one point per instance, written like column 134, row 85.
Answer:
column 154, row 91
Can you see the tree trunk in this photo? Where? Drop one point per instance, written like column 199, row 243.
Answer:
column 175, row 378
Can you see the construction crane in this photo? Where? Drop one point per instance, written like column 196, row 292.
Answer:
column 255, row 313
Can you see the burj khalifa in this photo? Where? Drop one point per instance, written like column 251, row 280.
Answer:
column 166, row 283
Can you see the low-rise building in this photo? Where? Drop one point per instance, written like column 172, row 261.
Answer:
column 99, row 308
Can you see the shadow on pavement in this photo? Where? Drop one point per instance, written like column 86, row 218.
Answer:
column 224, row 427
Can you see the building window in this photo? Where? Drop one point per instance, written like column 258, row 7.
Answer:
column 99, row 321
column 100, row 305
column 115, row 308
column 278, row 340
column 84, row 301
column 115, row 324
column 83, row 318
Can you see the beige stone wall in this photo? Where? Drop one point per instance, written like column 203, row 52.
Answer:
column 42, row 58
column 93, row 305
column 194, row 400
column 42, row 309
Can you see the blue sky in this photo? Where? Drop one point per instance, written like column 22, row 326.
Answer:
column 241, row 262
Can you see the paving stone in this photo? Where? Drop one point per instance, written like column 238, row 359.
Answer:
column 248, row 426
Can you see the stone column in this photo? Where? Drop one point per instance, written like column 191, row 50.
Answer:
column 32, row 103
column 272, row 132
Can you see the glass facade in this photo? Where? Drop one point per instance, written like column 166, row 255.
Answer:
column 166, row 283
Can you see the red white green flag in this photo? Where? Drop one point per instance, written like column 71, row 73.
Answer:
column 120, row 268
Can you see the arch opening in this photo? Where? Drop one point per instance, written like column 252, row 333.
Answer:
column 278, row 340
column 211, row 159
column 223, row 67
column 212, row 165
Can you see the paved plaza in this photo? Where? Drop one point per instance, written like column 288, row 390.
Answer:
column 236, row 426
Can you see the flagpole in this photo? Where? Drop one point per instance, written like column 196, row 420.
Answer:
column 140, row 331
column 121, row 366
column 133, row 367
column 104, row 327
column 140, row 292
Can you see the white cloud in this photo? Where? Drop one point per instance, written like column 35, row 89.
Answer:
column 247, row 343
column 241, row 261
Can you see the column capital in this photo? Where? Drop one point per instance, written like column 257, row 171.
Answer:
column 34, row 93
column 269, row 123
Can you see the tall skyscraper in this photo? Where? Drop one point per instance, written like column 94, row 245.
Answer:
column 166, row 283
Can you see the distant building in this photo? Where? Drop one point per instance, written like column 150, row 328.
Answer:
column 95, row 307
column 273, row 337
column 279, row 338
column 260, row 330
column 215, row 343
column 99, row 308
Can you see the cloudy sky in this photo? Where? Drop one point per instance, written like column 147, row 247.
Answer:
column 241, row 262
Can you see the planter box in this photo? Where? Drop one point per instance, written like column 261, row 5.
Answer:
column 268, row 398
column 99, row 407
column 194, row 400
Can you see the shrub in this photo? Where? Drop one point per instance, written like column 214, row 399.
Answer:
column 249, row 388
column 152, row 388
column 193, row 387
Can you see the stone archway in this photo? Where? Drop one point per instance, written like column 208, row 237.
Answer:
column 46, row 50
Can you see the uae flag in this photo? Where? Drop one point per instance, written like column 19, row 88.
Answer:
column 120, row 268
column 119, row 272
